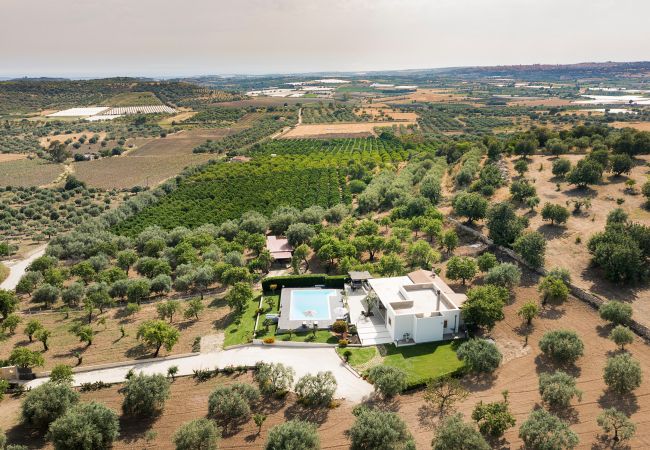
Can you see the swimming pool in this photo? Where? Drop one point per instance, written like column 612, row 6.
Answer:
column 311, row 304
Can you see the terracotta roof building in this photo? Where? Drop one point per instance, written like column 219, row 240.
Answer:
column 279, row 247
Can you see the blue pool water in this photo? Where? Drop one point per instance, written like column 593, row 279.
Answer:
column 311, row 304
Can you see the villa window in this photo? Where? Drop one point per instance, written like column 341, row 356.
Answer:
column 444, row 324
column 389, row 322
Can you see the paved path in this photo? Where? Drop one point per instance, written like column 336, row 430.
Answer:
column 17, row 268
column 303, row 360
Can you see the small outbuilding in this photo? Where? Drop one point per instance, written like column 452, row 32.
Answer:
column 279, row 248
column 358, row 278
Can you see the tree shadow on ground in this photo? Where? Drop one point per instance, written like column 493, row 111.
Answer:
column 604, row 330
column 133, row 429
column 603, row 287
column 551, row 313
column 544, row 364
column 184, row 325
column 479, row 382
column 552, row 231
column 567, row 413
column 428, row 416
column 581, row 192
column 626, row 403
column 22, row 434
column 605, row 442
column 139, row 351
column 316, row 415
column 226, row 320
column 218, row 302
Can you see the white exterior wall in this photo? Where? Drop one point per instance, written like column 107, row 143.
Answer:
column 428, row 329
column 399, row 325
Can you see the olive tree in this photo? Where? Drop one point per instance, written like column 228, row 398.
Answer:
column 145, row 395
column 616, row 312
column 479, row 355
column 454, row 433
column 46, row 403
column 316, row 390
column 506, row 275
column 544, row 431
column 621, row 336
column 564, row 346
column 88, row 425
column 558, row 389
column 231, row 404
column 622, row 373
column 387, row 380
column 380, row 430
column 554, row 289
column 294, row 435
column 274, row 378
column 197, row 434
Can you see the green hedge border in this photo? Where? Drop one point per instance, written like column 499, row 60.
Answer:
column 291, row 281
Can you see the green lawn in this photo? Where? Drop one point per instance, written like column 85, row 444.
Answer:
column 240, row 329
column 424, row 361
column 360, row 355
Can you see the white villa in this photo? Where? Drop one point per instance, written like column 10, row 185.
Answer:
column 416, row 308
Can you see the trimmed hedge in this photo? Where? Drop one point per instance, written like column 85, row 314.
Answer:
column 309, row 280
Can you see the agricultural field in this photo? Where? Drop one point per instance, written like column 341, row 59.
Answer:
column 29, row 172
column 152, row 162
column 260, row 128
column 329, row 114
column 36, row 214
column 217, row 116
column 339, row 130
column 298, row 173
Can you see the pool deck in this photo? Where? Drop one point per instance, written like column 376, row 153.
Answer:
column 285, row 323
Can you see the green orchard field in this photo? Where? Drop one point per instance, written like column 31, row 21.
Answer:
column 298, row 173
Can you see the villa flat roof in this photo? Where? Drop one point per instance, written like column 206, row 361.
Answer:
column 416, row 294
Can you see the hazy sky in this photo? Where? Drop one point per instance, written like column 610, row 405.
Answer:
column 191, row 37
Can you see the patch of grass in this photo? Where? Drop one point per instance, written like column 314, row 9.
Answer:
column 4, row 272
column 241, row 326
column 423, row 361
column 360, row 355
